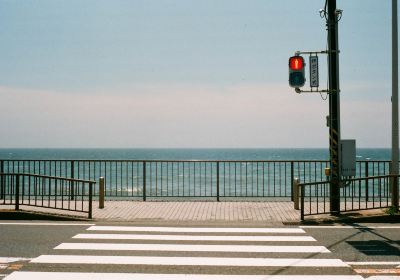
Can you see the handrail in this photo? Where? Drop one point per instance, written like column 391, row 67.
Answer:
column 350, row 180
column 42, row 193
column 355, row 196
column 187, row 160
column 48, row 177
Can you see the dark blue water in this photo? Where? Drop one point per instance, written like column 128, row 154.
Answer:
column 188, row 154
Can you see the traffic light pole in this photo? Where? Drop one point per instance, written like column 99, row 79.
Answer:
column 395, row 110
column 334, row 107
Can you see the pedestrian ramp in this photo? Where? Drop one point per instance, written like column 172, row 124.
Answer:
column 188, row 253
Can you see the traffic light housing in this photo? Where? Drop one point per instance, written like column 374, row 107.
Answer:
column 297, row 77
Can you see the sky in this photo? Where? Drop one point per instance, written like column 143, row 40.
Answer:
column 186, row 74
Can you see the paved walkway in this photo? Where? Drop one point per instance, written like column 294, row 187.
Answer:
column 193, row 211
column 198, row 211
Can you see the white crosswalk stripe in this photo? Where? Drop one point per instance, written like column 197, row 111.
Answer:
column 192, row 248
column 194, row 237
column 197, row 229
column 134, row 276
column 270, row 250
column 143, row 260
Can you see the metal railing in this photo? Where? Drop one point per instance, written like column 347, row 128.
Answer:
column 46, row 192
column 355, row 194
column 142, row 179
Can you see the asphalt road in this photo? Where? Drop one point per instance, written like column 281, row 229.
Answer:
column 363, row 250
column 366, row 244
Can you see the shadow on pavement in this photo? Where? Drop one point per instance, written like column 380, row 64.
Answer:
column 29, row 215
column 376, row 247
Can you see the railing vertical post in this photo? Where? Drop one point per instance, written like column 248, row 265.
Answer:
column 17, row 192
column 101, row 192
column 218, row 181
column 144, row 180
column 292, row 179
column 90, row 199
column 366, row 181
column 72, row 192
column 2, row 186
column 296, row 183
column 302, row 193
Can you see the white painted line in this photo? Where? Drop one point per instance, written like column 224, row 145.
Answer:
column 192, row 237
column 353, row 227
column 190, row 261
column 194, row 229
column 13, row 259
column 383, row 278
column 22, row 275
column 46, row 224
column 373, row 263
column 192, row 248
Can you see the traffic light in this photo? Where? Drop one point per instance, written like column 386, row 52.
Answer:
column 297, row 77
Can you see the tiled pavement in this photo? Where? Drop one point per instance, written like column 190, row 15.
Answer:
column 188, row 211
column 198, row 211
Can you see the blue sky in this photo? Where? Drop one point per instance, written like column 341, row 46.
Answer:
column 186, row 73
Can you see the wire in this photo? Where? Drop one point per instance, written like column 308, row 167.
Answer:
column 323, row 13
column 322, row 97
column 339, row 14
column 326, row 47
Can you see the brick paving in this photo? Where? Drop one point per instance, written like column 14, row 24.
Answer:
column 187, row 211
column 198, row 211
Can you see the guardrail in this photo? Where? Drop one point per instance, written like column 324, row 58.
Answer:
column 355, row 194
column 143, row 179
column 46, row 192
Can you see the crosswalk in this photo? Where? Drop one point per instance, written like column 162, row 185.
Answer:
column 188, row 253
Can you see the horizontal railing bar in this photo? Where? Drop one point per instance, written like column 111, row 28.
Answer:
column 48, row 207
column 178, row 160
column 313, row 183
column 350, row 180
column 48, row 177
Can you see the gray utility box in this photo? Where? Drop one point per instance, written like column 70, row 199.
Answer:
column 348, row 157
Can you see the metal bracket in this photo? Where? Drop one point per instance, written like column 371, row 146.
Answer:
column 298, row 90
column 316, row 52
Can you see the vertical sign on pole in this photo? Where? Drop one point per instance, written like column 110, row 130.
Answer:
column 314, row 75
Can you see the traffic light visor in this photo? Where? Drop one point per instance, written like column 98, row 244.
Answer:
column 296, row 63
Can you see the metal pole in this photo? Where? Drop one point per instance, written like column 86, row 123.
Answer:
column 395, row 109
column 90, row 200
column 144, row 181
column 101, row 192
column 302, row 193
column 218, row 181
column 292, row 179
column 72, row 192
column 334, row 106
column 296, row 183
column 2, row 186
column 17, row 192
column 366, row 182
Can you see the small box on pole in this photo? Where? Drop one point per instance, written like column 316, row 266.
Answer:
column 348, row 157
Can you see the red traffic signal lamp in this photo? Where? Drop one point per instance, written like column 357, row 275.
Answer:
column 297, row 77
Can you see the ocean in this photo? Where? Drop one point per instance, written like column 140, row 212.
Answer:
column 186, row 154
column 165, row 178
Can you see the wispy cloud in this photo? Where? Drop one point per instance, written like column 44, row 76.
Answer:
column 181, row 116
